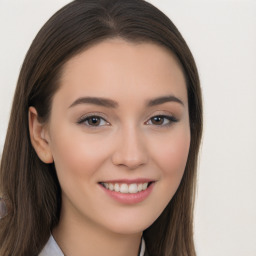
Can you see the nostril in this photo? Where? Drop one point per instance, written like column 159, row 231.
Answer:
column 128, row 160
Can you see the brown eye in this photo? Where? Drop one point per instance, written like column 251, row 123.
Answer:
column 93, row 121
column 162, row 120
column 157, row 120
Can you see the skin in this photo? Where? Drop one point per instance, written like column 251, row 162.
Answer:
column 126, row 144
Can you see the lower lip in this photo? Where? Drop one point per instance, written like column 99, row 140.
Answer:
column 129, row 198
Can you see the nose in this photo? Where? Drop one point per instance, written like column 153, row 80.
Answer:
column 131, row 150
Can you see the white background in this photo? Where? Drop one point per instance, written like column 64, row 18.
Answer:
column 222, row 37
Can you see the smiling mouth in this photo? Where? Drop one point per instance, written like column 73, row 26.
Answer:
column 125, row 188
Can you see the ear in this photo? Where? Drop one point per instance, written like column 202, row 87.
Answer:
column 39, row 137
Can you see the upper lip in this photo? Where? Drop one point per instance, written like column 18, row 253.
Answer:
column 129, row 181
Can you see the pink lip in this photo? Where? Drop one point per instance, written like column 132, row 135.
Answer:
column 129, row 198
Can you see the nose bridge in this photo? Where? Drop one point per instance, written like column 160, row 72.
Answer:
column 131, row 149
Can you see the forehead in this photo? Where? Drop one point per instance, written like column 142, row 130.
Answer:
column 116, row 67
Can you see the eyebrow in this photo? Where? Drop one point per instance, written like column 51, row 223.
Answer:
column 113, row 104
column 95, row 101
column 164, row 99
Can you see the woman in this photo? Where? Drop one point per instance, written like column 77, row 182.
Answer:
column 101, row 149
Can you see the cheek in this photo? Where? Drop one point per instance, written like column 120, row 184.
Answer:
column 77, row 155
column 171, row 154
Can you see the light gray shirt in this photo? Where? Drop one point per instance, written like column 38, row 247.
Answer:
column 52, row 249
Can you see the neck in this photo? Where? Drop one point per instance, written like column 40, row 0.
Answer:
column 76, row 237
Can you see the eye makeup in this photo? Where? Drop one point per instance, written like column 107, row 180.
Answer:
column 165, row 120
column 94, row 120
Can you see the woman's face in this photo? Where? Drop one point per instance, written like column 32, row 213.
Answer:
column 119, row 122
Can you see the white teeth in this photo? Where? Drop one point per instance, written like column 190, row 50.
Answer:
column 139, row 187
column 125, row 188
column 117, row 187
column 110, row 186
column 133, row 188
column 144, row 186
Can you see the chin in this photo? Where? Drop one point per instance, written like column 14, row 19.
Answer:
column 128, row 224
column 128, row 228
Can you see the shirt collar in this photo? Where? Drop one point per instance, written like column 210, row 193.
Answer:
column 52, row 248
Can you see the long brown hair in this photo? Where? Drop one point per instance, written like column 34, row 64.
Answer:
column 31, row 185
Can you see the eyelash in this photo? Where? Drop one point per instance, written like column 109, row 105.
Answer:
column 170, row 119
column 85, row 119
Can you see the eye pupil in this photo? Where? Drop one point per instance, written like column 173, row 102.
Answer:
column 94, row 121
column 157, row 120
